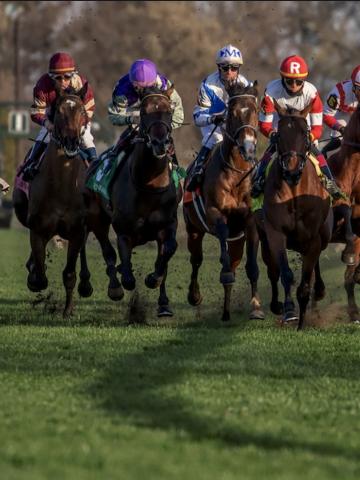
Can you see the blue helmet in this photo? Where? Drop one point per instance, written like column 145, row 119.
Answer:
column 229, row 55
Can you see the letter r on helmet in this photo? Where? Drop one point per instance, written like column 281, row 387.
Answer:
column 295, row 67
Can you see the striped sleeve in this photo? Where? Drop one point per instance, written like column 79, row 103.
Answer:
column 201, row 112
column 89, row 102
column 266, row 116
column 331, row 108
column 38, row 107
column 316, row 117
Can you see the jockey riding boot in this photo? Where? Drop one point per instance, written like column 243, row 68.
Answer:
column 334, row 143
column 197, row 175
column 91, row 155
column 330, row 183
column 32, row 164
column 258, row 182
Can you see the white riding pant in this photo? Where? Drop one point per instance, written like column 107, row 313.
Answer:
column 215, row 138
column 87, row 140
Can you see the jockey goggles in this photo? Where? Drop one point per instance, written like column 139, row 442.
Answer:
column 291, row 81
column 65, row 76
column 226, row 68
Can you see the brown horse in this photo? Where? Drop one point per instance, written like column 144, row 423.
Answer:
column 345, row 167
column 56, row 205
column 296, row 214
column 144, row 197
column 227, row 203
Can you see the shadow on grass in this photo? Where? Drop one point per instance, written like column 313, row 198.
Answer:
column 146, row 388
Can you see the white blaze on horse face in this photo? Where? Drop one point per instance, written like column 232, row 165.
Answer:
column 71, row 103
column 244, row 110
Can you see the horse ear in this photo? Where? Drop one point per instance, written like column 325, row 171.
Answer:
column 255, row 84
column 281, row 111
column 83, row 91
column 304, row 113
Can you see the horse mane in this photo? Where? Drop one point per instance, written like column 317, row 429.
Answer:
column 240, row 89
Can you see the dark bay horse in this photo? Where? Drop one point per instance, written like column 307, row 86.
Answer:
column 345, row 165
column 296, row 215
column 55, row 205
column 144, row 197
column 227, row 202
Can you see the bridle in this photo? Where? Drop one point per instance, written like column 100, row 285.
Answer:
column 71, row 147
column 292, row 177
column 148, row 120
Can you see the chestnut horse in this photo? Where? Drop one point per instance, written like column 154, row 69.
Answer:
column 144, row 197
column 227, row 203
column 296, row 215
column 345, row 165
column 55, row 205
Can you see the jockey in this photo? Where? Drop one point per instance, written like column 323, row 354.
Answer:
column 209, row 113
column 292, row 90
column 341, row 102
column 62, row 74
column 124, row 109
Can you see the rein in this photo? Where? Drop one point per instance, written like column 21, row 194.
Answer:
column 351, row 144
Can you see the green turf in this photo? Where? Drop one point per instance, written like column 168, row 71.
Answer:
column 185, row 398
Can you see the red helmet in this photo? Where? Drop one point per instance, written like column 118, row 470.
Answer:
column 355, row 76
column 61, row 63
column 294, row 67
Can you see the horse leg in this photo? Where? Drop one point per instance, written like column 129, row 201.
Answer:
column 125, row 248
column 227, row 276
column 348, row 255
column 85, row 288
column 167, row 246
column 252, row 271
column 21, row 204
column 309, row 263
column 69, row 273
column 277, row 245
column 164, row 309
column 37, row 280
column 352, row 276
column 194, row 244
column 235, row 251
column 319, row 285
column 115, row 290
column 273, row 273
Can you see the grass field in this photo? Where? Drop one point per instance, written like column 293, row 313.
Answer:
column 187, row 398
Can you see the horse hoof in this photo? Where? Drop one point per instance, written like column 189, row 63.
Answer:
column 115, row 294
column 37, row 285
column 164, row 311
column 290, row 316
column 319, row 295
column 227, row 278
column 348, row 258
column 128, row 284
column 67, row 312
column 257, row 315
column 85, row 289
column 194, row 300
column 225, row 317
column 151, row 281
column 276, row 308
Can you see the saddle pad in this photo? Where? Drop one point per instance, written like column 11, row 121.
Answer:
column 100, row 180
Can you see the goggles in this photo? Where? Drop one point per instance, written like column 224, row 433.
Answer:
column 59, row 77
column 292, row 81
column 226, row 68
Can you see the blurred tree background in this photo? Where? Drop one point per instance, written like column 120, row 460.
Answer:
column 182, row 38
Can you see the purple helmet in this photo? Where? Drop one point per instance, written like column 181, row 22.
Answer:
column 143, row 73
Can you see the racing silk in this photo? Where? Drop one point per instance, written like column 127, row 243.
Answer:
column 125, row 104
column 268, row 118
column 213, row 98
column 340, row 104
column 45, row 96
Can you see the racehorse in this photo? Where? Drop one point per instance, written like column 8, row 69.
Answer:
column 345, row 167
column 227, row 204
column 55, row 205
column 144, row 197
column 296, row 214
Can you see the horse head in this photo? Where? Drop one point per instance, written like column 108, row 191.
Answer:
column 242, row 119
column 155, row 120
column 293, row 142
column 70, row 120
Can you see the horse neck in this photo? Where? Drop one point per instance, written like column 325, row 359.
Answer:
column 58, row 166
column 148, row 170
